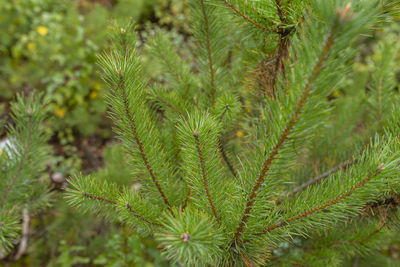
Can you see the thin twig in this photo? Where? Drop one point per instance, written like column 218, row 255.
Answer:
column 169, row 105
column 327, row 204
column 240, row 13
column 207, row 30
column 189, row 193
column 225, row 157
column 203, row 170
column 317, row 179
column 112, row 202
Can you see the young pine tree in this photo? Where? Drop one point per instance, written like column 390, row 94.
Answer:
column 23, row 157
column 224, row 141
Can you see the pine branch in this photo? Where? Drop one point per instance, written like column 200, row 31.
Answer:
column 282, row 52
column 208, row 45
column 284, row 136
column 365, row 239
column 226, row 159
column 221, row 145
column 129, row 207
column 139, row 142
column 203, row 170
column 170, row 105
column 115, row 203
column 327, row 204
column 241, row 14
column 21, row 162
column 315, row 180
column 188, row 194
column 279, row 7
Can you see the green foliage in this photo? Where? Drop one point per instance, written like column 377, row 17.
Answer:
column 22, row 163
column 213, row 198
column 192, row 238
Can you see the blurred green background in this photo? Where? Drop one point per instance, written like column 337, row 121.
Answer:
column 51, row 46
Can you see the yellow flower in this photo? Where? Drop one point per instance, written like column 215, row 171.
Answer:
column 93, row 94
column 60, row 112
column 239, row 133
column 42, row 30
column 31, row 46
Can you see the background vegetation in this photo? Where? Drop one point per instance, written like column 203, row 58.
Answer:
column 51, row 47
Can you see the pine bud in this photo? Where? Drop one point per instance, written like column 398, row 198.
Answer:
column 344, row 14
column 185, row 237
column 195, row 133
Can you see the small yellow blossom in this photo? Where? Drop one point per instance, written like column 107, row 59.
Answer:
column 60, row 112
column 239, row 133
column 42, row 30
column 31, row 46
column 93, row 94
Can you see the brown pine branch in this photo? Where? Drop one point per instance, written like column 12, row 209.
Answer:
column 225, row 157
column 169, row 105
column 281, row 12
column 203, row 171
column 284, row 136
column 317, row 179
column 255, row 23
column 109, row 201
column 139, row 142
column 189, row 193
column 112, row 202
column 129, row 207
column 327, row 204
column 210, row 60
column 221, row 146
column 20, row 163
column 281, row 55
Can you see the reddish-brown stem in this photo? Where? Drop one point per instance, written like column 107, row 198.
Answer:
column 169, row 105
column 279, row 7
column 189, row 193
column 210, row 59
column 129, row 207
column 139, row 142
column 327, row 204
column 109, row 201
column 112, row 202
column 284, row 136
column 281, row 54
column 315, row 180
column 225, row 157
column 203, row 172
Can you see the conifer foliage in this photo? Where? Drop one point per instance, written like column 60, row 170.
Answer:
column 23, row 160
column 213, row 197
